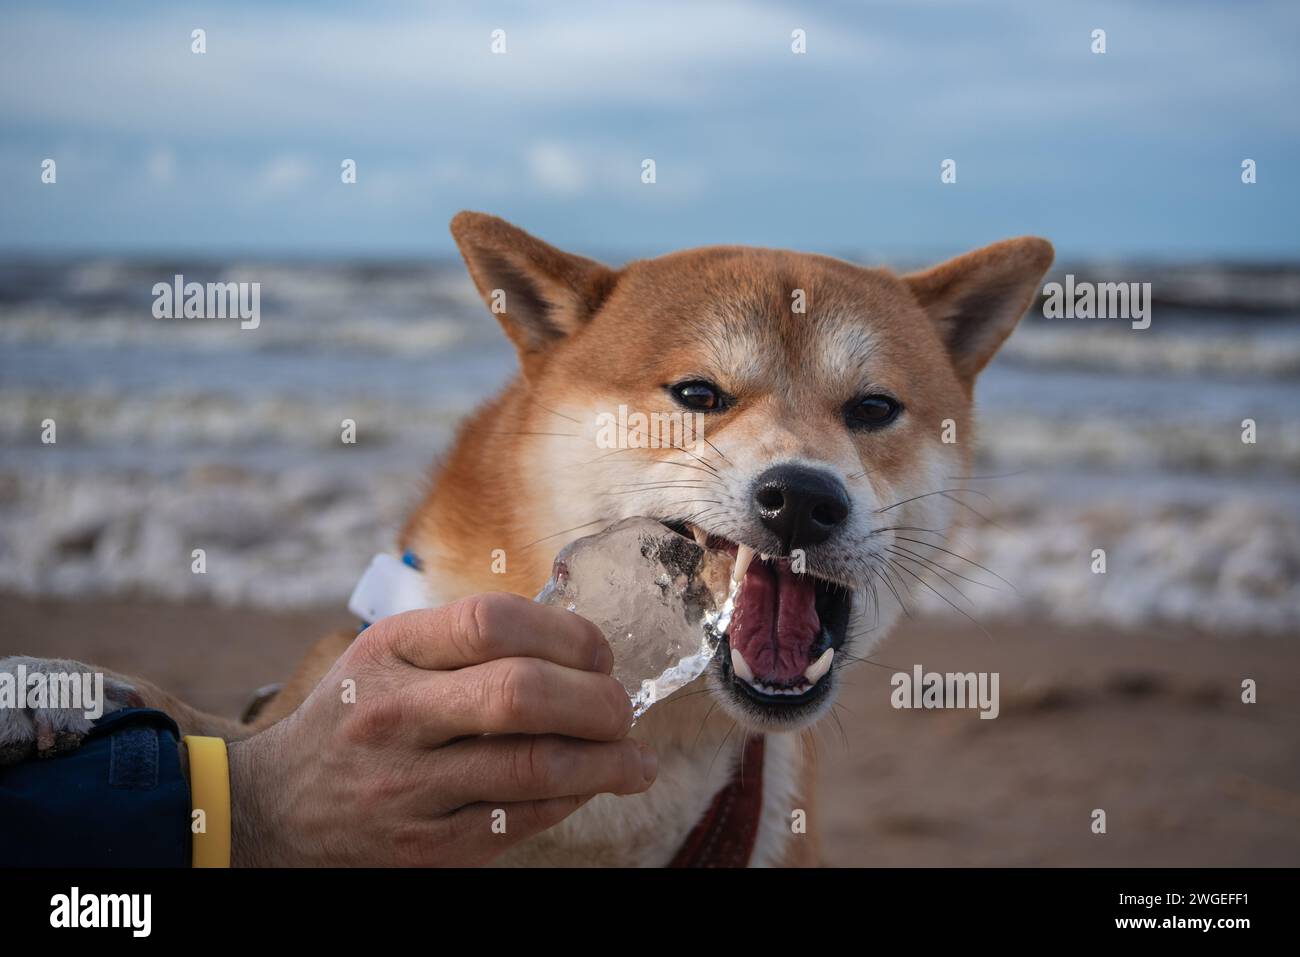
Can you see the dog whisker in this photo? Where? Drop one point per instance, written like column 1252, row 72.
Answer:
column 808, row 744
column 697, row 458
column 945, row 492
column 897, row 597
column 652, row 444
column 687, row 465
column 663, row 483
column 940, row 568
column 708, row 714
column 862, row 474
column 944, row 598
column 974, row 511
column 566, row 531
column 567, row 435
column 553, row 412
column 983, row 478
column 844, row 735
column 888, row 567
column 725, row 737
column 963, row 558
column 911, row 528
column 858, row 659
column 715, row 448
column 924, row 568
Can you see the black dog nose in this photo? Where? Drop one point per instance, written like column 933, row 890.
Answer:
column 801, row 506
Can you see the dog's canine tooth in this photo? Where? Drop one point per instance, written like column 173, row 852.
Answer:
column 741, row 667
column 820, row 666
column 744, row 555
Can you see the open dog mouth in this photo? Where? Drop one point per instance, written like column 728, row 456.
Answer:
column 785, row 631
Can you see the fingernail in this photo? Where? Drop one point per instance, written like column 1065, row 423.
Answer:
column 649, row 762
column 604, row 662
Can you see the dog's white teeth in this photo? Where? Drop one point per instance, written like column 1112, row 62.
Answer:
column 742, row 671
column 820, row 666
column 701, row 536
column 741, row 667
column 744, row 555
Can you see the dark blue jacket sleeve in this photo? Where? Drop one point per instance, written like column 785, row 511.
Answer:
column 119, row 800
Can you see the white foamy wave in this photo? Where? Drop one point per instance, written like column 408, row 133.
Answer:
column 1222, row 566
column 292, row 538
column 1077, row 345
column 289, row 539
column 1136, row 443
column 220, row 421
column 55, row 326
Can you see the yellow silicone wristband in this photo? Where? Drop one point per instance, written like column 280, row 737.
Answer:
column 210, row 793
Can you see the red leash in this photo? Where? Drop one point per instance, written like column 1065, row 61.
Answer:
column 725, row 836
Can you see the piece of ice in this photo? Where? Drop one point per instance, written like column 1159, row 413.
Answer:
column 660, row 599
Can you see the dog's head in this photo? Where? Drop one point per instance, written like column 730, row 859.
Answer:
column 807, row 414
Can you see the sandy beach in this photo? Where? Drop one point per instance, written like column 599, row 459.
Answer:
column 1147, row 725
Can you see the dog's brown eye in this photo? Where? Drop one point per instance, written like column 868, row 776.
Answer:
column 872, row 412
column 702, row 396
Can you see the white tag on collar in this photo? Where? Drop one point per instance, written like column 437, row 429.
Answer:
column 389, row 587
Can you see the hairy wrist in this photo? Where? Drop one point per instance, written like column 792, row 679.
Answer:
column 252, row 825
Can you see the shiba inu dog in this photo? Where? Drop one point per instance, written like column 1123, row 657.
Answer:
column 831, row 416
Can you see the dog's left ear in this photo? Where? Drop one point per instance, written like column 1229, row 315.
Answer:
column 976, row 300
column 539, row 294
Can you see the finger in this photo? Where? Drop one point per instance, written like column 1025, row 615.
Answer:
column 515, row 696
column 528, row 767
column 486, row 627
column 476, row 835
column 485, row 830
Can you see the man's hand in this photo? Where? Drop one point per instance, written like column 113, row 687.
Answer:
column 431, row 724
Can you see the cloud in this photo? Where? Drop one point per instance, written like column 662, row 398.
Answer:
column 283, row 174
column 555, row 169
column 303, row 68
column 841, row 144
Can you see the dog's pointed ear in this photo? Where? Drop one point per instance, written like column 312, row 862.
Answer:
column 540, row 294
column 976, row 299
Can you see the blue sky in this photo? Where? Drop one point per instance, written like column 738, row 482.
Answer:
column 1134, row 152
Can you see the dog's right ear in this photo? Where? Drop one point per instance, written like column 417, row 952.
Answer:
column 539, row 293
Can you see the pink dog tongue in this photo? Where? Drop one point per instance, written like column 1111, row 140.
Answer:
column 775, row 623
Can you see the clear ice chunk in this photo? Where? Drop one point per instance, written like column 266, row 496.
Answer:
column 662, row 601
